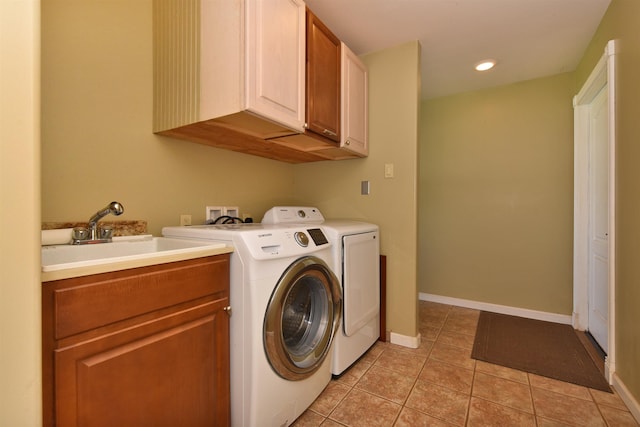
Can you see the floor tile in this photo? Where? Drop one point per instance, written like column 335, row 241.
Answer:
column 447, row 375
column 401, row 361
column 485, row 413
column 617, row 417
column 609, row 399
column 425, row 307
column 456, row 340
column 502, row 372
column 331, row 423
column 359, row 408
column 374, row 352
column 462, row 320
column 464, row 311
column 354, row 373
column 504, row 392
column 386, row 383
column 440, row 402
column 329, row 398
column 567, row 409
column 560, row 387
column 453, row 355
column 429, row 333
column 423, row 350
column 309, row 419
column 545, row 422
column 461, row 324
column 433, row 319
column 412, row 418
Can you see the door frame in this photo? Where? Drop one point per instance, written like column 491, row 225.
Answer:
column 602, row 75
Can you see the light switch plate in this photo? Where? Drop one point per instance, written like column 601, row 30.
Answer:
column 388, row 170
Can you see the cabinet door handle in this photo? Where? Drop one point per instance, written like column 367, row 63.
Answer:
column 329, row 132
column 347, row 142
column 228, row 310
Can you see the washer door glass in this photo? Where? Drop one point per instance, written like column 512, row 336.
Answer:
column 301, row 318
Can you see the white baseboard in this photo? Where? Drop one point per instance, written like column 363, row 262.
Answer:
column 627, row 397
column 405, row 340
column 496, row 308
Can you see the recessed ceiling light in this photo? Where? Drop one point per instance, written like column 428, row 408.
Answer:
column 485, row 65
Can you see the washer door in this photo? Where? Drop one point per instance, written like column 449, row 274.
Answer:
column 301, row 319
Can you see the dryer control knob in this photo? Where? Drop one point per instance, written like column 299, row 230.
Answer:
column 301, row 239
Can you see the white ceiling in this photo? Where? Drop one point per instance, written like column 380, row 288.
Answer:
column 528, row 38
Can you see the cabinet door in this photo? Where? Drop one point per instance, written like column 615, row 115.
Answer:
column 323, row 80
column 275, row 61
column 355, row 103
column 361, row 280
column 170, row 372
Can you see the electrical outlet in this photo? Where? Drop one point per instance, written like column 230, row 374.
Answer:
column 185, row 219
column 213, row 212
column 231, row 211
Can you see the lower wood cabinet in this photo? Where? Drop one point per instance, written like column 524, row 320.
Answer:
column 145, row 346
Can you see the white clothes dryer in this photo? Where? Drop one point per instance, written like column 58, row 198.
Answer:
column 286, row 306
column 356, row 262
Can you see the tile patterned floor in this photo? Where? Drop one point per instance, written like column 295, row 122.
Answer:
column 439, row 384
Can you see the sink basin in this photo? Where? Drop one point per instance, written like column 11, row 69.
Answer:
column 121, row 250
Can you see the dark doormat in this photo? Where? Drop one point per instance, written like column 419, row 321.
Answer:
column 544, row 348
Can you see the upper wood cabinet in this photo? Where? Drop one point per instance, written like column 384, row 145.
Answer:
column 337, row 100
column 261, row 77
column 224, row 59
column 323, row 80
column 355, row 104
column 231, row 73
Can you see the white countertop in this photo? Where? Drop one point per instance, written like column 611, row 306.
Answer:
column 77, row 266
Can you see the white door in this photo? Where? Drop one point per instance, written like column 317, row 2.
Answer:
column 599, row 219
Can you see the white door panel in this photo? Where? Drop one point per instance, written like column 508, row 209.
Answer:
column 599, row 220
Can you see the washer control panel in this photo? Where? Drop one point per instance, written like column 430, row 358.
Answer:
column 318, row 236
column 301, row 238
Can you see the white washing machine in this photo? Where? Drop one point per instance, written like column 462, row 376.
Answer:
column 286, row 306
column 356, row 262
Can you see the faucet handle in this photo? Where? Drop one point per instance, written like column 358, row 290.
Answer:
column 79, row 234
column 106, row 232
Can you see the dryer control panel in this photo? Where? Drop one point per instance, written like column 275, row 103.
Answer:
column 293, row 214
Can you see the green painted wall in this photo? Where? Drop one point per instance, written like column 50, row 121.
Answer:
column 496, row 195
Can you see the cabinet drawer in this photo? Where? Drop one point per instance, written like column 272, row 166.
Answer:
column 89, row 302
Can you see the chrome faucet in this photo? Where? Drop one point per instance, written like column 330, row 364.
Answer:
column 93, row 234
